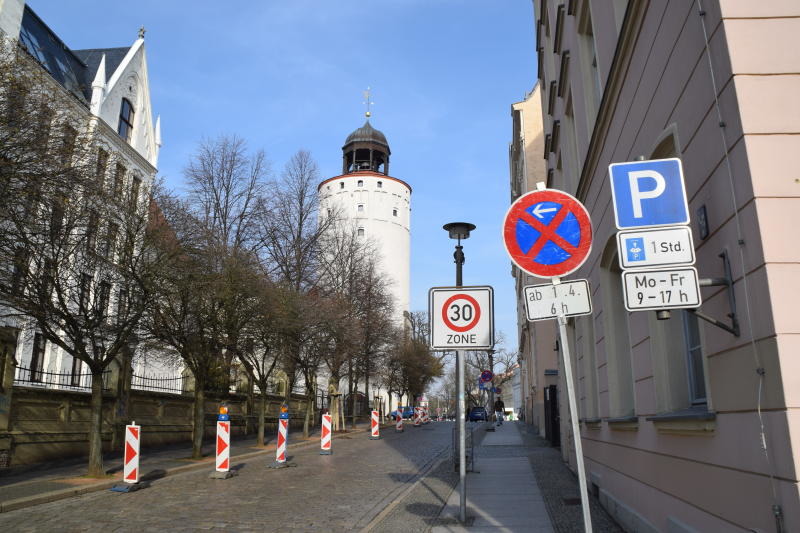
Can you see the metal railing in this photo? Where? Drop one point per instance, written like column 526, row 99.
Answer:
column 171, row 385
column 27, row 377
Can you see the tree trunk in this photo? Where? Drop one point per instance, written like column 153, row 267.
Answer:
column 198, row 431
column 350, row 392
column 262, row 416
column 96, row 426
column 309, row 408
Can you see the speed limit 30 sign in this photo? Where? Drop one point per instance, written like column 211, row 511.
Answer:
column 461, row 318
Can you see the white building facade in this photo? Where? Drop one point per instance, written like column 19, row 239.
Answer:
column 377, row 204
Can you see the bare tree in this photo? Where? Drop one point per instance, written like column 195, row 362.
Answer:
column 77, row 260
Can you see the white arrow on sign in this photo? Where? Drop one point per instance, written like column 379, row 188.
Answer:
column 539, row 209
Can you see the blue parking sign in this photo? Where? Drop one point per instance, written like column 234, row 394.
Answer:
column 648, row 193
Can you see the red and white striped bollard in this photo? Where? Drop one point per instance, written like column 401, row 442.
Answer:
column 130, row 470
column 399, row 427
column 325, row 439
column 417, row 417
column 375, row 426
column 223, row 446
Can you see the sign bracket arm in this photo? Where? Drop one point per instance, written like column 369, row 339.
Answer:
column 727, row 281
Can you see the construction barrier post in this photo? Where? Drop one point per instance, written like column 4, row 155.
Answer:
column 417, row 417
column 399, row 427
column 130, row 466
column 375, row 426
column 223, row 453
column 325, row 443
column 283, row 436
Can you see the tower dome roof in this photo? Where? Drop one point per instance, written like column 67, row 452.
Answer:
column 367, row 133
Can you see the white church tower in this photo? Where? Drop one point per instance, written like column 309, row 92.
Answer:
column 378, row 205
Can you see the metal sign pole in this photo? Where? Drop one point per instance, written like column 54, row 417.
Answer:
column 573, row 412
column 462, row 445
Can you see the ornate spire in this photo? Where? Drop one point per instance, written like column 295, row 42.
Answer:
column 141, row 32
column 368, row 102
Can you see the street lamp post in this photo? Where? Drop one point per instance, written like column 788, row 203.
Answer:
column 458, row 231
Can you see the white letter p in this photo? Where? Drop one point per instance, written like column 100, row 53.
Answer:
column 637, row 195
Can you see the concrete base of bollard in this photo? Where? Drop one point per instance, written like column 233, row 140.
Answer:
column 374, row 438
column 222, row 475
column 326, row 452
column 129, row 487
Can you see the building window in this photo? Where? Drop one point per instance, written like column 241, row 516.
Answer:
column 75, row 373
column 360, row 232
column 126, row 114
column 694, row 359
column 380, row 185
column 37, row 357
column 360, row 183
column 83, row 293
column 616, row 337
column 119, row 180
column 68, row 144
column 394, row 212
column 134, row 198
column 111, row 240
column 360, row 208
column 341, row 185
column 588, row 62
column 122, row 306
column 91, row 231
column 102, row 165
column 101, row 303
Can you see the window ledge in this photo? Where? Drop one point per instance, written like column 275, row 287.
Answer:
column 693, row 421
column 592, row 423
column 624, row 423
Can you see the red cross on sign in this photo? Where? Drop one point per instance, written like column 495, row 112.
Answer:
column 547, row 233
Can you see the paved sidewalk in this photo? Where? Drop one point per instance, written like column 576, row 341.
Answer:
column 26, row 486
column 502, row 496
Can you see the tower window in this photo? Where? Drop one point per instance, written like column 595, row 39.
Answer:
column 360, row 208
column 341, row 185
column 380, row 185
column 126, row 114
column 394, row 212
column 360, row 183
column 360, row 232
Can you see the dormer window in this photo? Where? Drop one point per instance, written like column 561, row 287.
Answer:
column 394, row 212
column 341, row 185
column 126, row 114
column 360, row 183
column 360, row 232
column 380, row 185
column 360, row 208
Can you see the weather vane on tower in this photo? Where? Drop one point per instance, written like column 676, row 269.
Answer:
column 368, row 102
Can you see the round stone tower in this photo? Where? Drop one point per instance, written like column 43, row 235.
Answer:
column 378, row 205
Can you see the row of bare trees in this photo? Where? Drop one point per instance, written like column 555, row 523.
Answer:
column 237, row 269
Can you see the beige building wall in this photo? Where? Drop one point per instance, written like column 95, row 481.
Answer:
column 674, row 412
column 526, row 169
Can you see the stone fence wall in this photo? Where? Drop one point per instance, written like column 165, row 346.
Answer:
column 40, row 424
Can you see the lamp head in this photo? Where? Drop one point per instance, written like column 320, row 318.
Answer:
column 459, row 230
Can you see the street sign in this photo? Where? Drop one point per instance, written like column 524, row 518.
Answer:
column 655, row 247
column 570, row 298
column 486, row 375
column 648, row 193
column 676, row 288
column 547, row 233
column 461, row 318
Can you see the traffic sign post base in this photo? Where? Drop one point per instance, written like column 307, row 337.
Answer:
column 222, row 475
column 129, row 487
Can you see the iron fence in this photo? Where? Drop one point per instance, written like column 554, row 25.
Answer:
column 74, row 381
column 172, row 385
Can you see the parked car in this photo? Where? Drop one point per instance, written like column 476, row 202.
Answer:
column 477, row 413
column 408, row 412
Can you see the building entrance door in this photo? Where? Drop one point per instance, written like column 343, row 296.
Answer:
column 551, row 418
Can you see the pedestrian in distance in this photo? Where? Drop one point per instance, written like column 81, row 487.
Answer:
column 499, row 409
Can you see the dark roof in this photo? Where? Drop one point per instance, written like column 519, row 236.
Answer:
column 74, row 69
column 367, row 133
column 91, row 57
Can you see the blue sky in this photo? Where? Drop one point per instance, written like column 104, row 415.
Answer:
column 287, row 75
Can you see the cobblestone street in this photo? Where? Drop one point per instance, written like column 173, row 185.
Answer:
column 341, row 492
